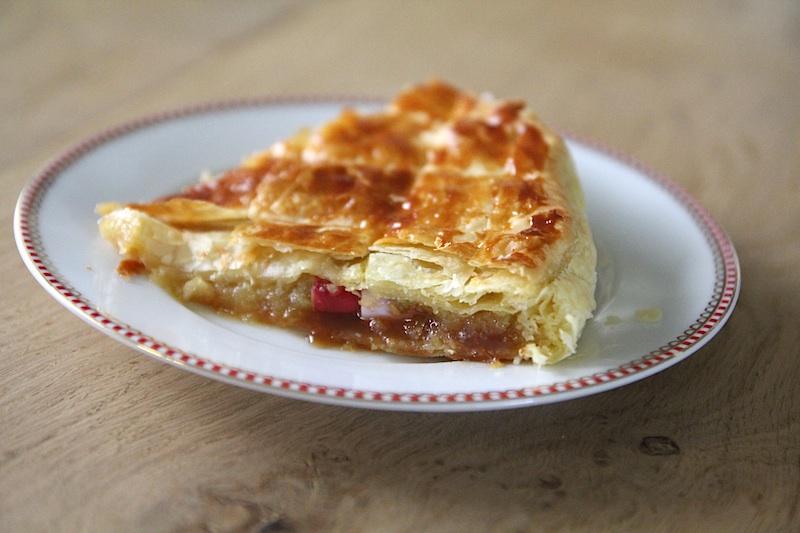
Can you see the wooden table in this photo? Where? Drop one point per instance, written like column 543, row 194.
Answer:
column 96, row 437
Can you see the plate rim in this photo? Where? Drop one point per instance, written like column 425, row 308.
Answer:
column 727, row 286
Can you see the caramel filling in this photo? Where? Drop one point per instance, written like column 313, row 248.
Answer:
column 409, row 329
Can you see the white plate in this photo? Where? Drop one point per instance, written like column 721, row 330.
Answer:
column 658, row 248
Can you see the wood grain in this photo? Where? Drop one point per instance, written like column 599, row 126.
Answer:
column 94, row 437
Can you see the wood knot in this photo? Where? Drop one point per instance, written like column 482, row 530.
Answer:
column 550, row 482
column 659, row 445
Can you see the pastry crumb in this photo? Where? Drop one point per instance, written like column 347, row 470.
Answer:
column 649, row 316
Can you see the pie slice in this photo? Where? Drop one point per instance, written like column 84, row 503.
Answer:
column 447, row 224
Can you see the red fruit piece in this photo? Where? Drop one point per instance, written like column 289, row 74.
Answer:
column 329, row 298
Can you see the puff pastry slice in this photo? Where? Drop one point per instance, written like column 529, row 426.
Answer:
column 448, row 224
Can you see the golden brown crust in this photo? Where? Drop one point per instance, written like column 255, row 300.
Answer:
column 441, row 168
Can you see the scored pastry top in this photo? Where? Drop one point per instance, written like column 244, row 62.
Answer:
column 437, row 168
